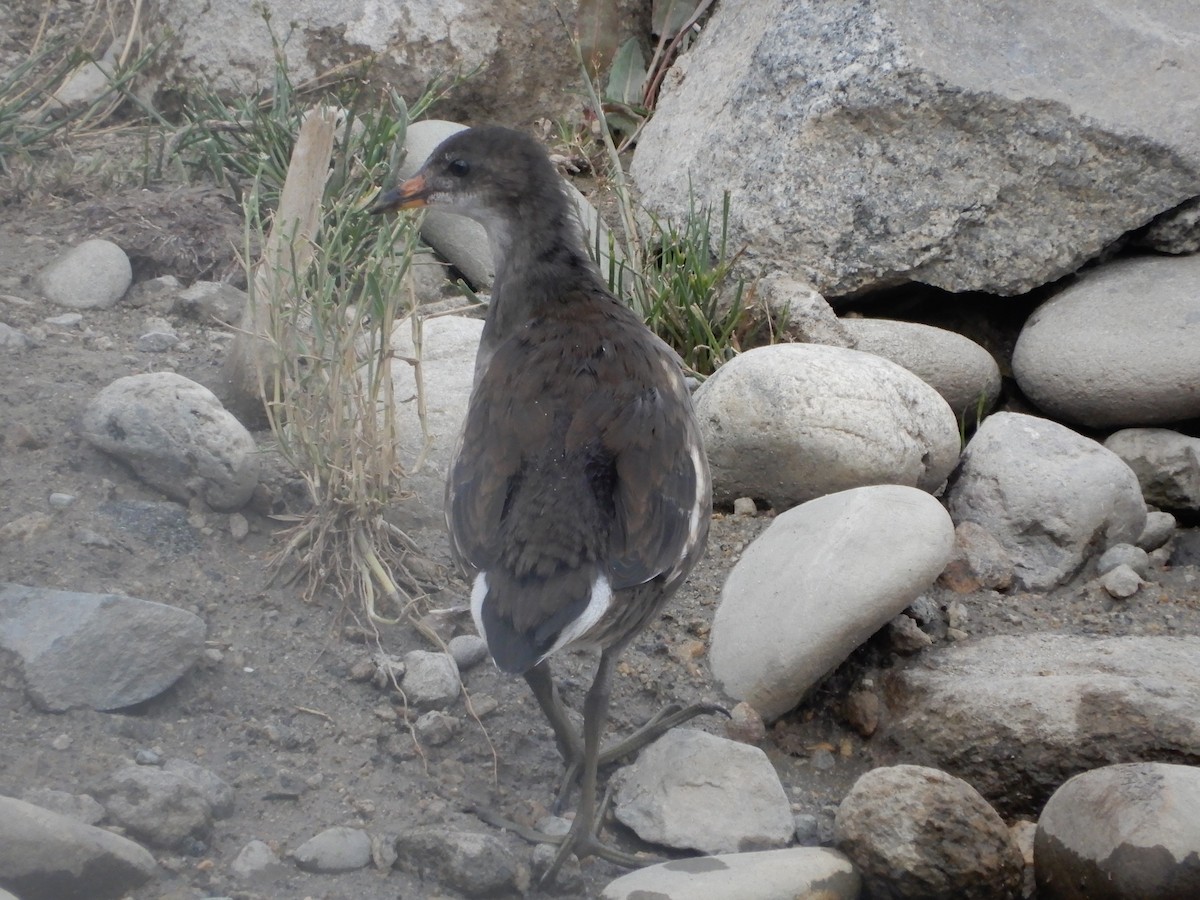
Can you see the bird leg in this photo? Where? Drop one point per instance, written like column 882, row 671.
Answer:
column 582, row 839
column 541, row 682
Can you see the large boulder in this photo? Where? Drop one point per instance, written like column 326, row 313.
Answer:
column 888, row 141
column 518, row 55
column 1018, row 715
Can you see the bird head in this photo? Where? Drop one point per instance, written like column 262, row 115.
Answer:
column 488, row 174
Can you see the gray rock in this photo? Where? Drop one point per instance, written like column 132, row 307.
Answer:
column 906, row 635
column 1017, row 715
column 161, row 808
column 254, row 859
column 94, row 274
column 915, row 832
column 213, row 42
column 435, row 727
column 13, row 341
column 468, row 650
column 338, row 849
column 1124, row 555
column 799, row 312
column 1166, row 463
column 80, row 807
column 1118, row 347
column 791, row 422
column 792, row 609
column 1051, row 497
column 430, row 679
column 1121, row 831
column 979, row 561
column 915, row 146
column 1159, row 528
column 693, row 790
column 964, row 373
column 215, row 789
column 1121, row 582
column 176, row 436
column 47, row 856
column 101, row 651
column 212, row 301
column 474, row 864
column 811, row 872
column 66, row 320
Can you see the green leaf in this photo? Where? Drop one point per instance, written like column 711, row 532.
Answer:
column 627, row 79
column 597, row 25
column 667, row 17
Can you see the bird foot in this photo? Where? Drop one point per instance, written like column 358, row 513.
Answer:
column 581, row 841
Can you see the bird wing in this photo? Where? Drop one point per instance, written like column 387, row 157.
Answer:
column 580, row 458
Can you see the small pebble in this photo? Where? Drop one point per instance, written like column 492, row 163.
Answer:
column 468, row 650
column 822, row 760
column 60, row 500
column 744, row 506
column 62, row 742
column 435, row 728
column 239, row 528
column 1159, row 528
column 956, row 634
column 808, row 829
column 66, row 320
column 156, row 342
column 145, row 757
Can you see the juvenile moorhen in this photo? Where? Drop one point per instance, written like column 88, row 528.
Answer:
column 580, row 496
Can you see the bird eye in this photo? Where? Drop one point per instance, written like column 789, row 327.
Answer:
column 459, row 167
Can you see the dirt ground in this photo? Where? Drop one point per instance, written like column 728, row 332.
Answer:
column 275, row 710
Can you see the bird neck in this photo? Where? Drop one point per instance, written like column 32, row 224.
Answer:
column 540, row 259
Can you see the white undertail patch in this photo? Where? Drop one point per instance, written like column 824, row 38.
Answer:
column 598, row 604
column 479, row 591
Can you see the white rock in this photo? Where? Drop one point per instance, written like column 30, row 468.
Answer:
column 477, row 864
column 813, row 872
column 791, row 422
column 1013, row 714
column 468, row 650
column 819, row 581
column 1166, row 463
column 916, row 832
column 1122, row 831
column 212, row 301
column 693, row 790
column 893, row 141
column 461, row 240
column 47, row 856
column 1051, row 497
column 79, row 649
column 959, row 369
column 1121, row 346
column 177, row 437
column 93, row 274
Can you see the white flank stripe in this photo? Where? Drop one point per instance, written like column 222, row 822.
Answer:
column 597, row 606
column 478, row 592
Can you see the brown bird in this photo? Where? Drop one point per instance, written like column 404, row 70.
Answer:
column 580, row 496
